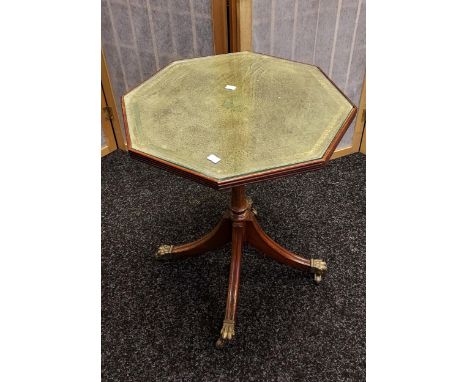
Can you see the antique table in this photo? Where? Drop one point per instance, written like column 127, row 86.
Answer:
column 233, row 119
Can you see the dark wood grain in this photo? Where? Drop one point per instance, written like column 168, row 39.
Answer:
column 237, row 241
column 215, row 239
column 220, row 27
column 258, row 239
column 238, row 200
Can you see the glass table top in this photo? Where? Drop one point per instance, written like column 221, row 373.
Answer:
column 231, row 115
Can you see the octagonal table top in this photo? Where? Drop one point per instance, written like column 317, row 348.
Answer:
column 236, row 118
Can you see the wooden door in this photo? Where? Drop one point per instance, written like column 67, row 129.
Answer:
column 111, row 133
column 359, row 138
column 363, row 142
column 108, row 142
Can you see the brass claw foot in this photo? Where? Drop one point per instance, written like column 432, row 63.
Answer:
column 163, row 250
column 227, row 333
column 319, row 267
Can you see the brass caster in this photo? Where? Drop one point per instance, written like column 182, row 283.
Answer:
column 162, row 251
column 251, row 208
column 319, row 267
column 227, row 333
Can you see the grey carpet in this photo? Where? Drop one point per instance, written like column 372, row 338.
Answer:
column 160, row 320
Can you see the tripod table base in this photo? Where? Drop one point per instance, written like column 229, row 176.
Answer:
column 239, row 225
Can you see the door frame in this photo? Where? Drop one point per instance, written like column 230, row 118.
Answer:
column 359, row 141
column 244, row 24
column 232, row 25
column 362, row 149
column 112, row 111
column 106, row 127
column 359, row 127
column 219, row 21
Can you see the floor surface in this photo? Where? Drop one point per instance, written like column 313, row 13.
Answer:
column 160, row 320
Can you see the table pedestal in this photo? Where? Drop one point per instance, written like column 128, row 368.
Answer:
column 238, row 226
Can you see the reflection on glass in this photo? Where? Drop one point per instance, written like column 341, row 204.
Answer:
column 252, row 112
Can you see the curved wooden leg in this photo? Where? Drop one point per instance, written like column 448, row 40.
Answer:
column 219, row 236
column 227, row 331
column 258, row 239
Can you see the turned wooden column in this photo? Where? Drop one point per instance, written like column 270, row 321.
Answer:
column 239, row 202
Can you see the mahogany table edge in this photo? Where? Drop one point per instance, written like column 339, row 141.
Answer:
column 221, row 184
